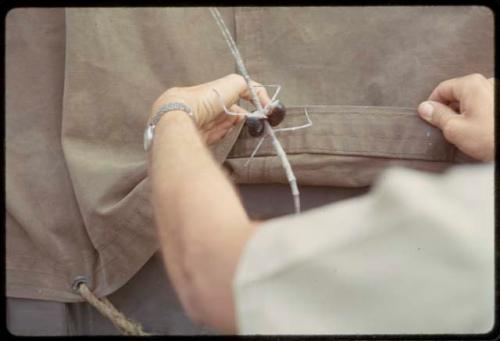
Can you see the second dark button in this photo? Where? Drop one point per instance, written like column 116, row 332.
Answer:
column 277, row 115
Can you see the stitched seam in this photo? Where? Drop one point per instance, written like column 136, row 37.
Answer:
column 299, row 150
column 329, row 152
column 349, row 112
column 413, row 138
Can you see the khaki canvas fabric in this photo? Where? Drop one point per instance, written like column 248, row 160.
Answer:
column 80, row 83
column 334, row 150
column 364, row 70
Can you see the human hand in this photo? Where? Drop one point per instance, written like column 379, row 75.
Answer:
column 463, row 109
column 207, row 108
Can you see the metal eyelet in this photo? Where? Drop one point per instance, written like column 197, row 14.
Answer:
column 79, row 280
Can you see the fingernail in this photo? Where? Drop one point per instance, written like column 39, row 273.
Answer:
column 425, row 110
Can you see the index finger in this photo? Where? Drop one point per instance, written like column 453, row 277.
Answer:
column 260, row 91
column 233, row 87
column 453, row 90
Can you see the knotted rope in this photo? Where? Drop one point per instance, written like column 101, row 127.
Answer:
column 105, row 307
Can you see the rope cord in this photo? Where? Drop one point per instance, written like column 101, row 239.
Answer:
column 105, row 307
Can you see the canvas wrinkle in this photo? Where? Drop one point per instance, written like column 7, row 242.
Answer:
column 102, row 243
column 131, row 176
column 105, row 287
column 102, row 281
column 56, row 263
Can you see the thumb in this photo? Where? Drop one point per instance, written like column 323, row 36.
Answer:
column 437, row 113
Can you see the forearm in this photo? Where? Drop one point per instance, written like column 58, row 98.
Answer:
column 202, row 225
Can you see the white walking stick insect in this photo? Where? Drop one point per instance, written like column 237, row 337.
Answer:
column 260, row 117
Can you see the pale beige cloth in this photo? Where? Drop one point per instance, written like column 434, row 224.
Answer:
column 414, row 256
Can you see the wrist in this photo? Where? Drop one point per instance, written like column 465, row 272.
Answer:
column 173, row 118
column 171, row 113
column 170, row 97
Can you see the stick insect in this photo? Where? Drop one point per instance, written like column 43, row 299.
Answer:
column 260, row 115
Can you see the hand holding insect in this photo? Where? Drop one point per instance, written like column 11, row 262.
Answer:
column 209, row 106
column 274, row 112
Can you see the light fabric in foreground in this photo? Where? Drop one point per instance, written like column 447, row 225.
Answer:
column 415, row 255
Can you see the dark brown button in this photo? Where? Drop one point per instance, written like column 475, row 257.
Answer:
column 276, row 115
column 255, row 126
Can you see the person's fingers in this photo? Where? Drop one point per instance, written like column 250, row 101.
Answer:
column 229, row 121
column 470, row 130
column 225, row 119
column 238, row 109
column 260, row 91
column 214, row 136
column 222, row 125
column 222, row 121
column 455, row 106
column 215, row 95
column 226, row 91
column 436, row 113
column 445, row 92
column 445, row 118
column 213, row 123
column 453, row 90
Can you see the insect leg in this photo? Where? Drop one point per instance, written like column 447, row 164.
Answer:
column 275, row 95
column 308, row 124
column 255, row 150
column 278, row 89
